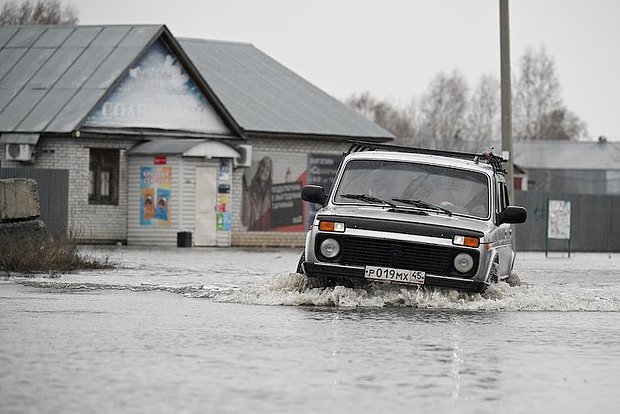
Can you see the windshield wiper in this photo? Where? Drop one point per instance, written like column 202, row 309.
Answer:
column 368, row 198
column 423, row 204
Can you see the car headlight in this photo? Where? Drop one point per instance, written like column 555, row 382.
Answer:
column 463, row 262
column 330, row 248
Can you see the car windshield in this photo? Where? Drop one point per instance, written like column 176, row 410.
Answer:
column 416, row 185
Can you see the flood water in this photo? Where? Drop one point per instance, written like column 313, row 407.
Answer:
column 232, row 331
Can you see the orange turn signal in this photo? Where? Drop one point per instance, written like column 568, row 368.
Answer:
column 466, row 241
column 331, row 226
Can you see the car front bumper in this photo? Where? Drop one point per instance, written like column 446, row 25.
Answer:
column 357, row 273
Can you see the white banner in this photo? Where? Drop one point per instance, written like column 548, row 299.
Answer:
column 558, row 226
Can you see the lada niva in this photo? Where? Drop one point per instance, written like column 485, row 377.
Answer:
column 412, row 216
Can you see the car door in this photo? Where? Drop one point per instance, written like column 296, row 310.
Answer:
column 504, row 234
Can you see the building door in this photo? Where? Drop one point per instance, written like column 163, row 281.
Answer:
column 206, row 193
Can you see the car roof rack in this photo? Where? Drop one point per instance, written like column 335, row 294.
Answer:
column 488, row 157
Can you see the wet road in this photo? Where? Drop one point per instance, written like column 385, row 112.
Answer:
column 228, row 331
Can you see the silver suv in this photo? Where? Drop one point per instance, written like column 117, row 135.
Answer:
column 412, row 216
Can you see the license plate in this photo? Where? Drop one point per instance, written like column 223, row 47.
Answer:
column 388, row 274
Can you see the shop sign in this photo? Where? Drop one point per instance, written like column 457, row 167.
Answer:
column 158, row 93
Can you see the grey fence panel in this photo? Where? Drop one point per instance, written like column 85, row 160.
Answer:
column 53, row 194
column 595, row 225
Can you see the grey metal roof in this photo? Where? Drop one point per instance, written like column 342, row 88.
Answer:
column 19, row 138
column 568, row 155
column 51, row 77
column 264, row 96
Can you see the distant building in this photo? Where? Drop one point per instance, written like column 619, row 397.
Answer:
column 570, row 167
column 136, row 136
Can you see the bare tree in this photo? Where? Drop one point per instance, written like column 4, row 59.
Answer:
column 538, row 109
column 482, row 122
column 398, row 121
column 41, row 12
column 442, row 111
column 562, row 124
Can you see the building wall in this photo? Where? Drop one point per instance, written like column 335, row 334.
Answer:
column 85, row 221
column 284, row 153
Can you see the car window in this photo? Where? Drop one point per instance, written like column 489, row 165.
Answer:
column 460, row 191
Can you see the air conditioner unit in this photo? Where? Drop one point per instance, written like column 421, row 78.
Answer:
column 19, row 152
column 245, row 156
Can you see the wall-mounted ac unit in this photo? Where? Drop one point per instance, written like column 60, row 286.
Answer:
column 245, row 156
column 19, row 152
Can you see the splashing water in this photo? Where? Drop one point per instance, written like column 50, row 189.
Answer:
column 292, row 290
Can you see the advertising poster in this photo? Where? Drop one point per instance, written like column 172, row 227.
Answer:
column 222, row 207
column 322, row 169
column 155, row 189
column 272, row 189
column 271, row 199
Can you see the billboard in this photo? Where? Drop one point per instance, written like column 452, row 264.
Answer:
column 271, row 193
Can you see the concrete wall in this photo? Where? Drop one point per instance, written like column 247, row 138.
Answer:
column 19, row 199
column 19, row 211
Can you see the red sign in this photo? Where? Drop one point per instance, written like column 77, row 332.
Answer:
column 160, row 160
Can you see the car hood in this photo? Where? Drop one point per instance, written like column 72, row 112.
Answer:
column 432, row 219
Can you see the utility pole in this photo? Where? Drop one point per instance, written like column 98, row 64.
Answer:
column 504, row 47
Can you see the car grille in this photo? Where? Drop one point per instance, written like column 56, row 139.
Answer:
column 402, row 255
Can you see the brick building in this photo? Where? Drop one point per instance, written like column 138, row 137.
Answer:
column 136, row 136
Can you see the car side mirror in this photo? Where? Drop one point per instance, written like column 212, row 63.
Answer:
column 314, row 194
column 513, row 215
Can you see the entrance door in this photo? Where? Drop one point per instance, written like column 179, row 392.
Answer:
column 206, row 192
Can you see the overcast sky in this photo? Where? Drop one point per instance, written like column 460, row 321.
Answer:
column 393, row 48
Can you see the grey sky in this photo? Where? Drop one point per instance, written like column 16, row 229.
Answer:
column 393, row 48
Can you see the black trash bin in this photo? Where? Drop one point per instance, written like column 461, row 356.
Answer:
column 184, row 239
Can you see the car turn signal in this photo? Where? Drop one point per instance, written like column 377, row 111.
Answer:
column 466, row 241
column 331, row 226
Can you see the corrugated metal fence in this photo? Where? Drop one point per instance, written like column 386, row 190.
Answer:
column 53, row 194
column 595, row 222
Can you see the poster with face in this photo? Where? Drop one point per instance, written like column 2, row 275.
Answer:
column 271, row 193
column 272, row 189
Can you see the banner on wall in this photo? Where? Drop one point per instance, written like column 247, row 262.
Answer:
column 272, row 189
column 155, row 191
column 222, row 207
column 322, row 169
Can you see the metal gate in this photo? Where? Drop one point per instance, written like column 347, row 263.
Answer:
column 53, row 194
column 595, row 224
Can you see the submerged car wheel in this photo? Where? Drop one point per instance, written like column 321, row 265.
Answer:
column 313, row 281
column 494, row 274
column 300, row 268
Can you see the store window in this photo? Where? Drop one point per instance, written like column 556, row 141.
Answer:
column 103, row 176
